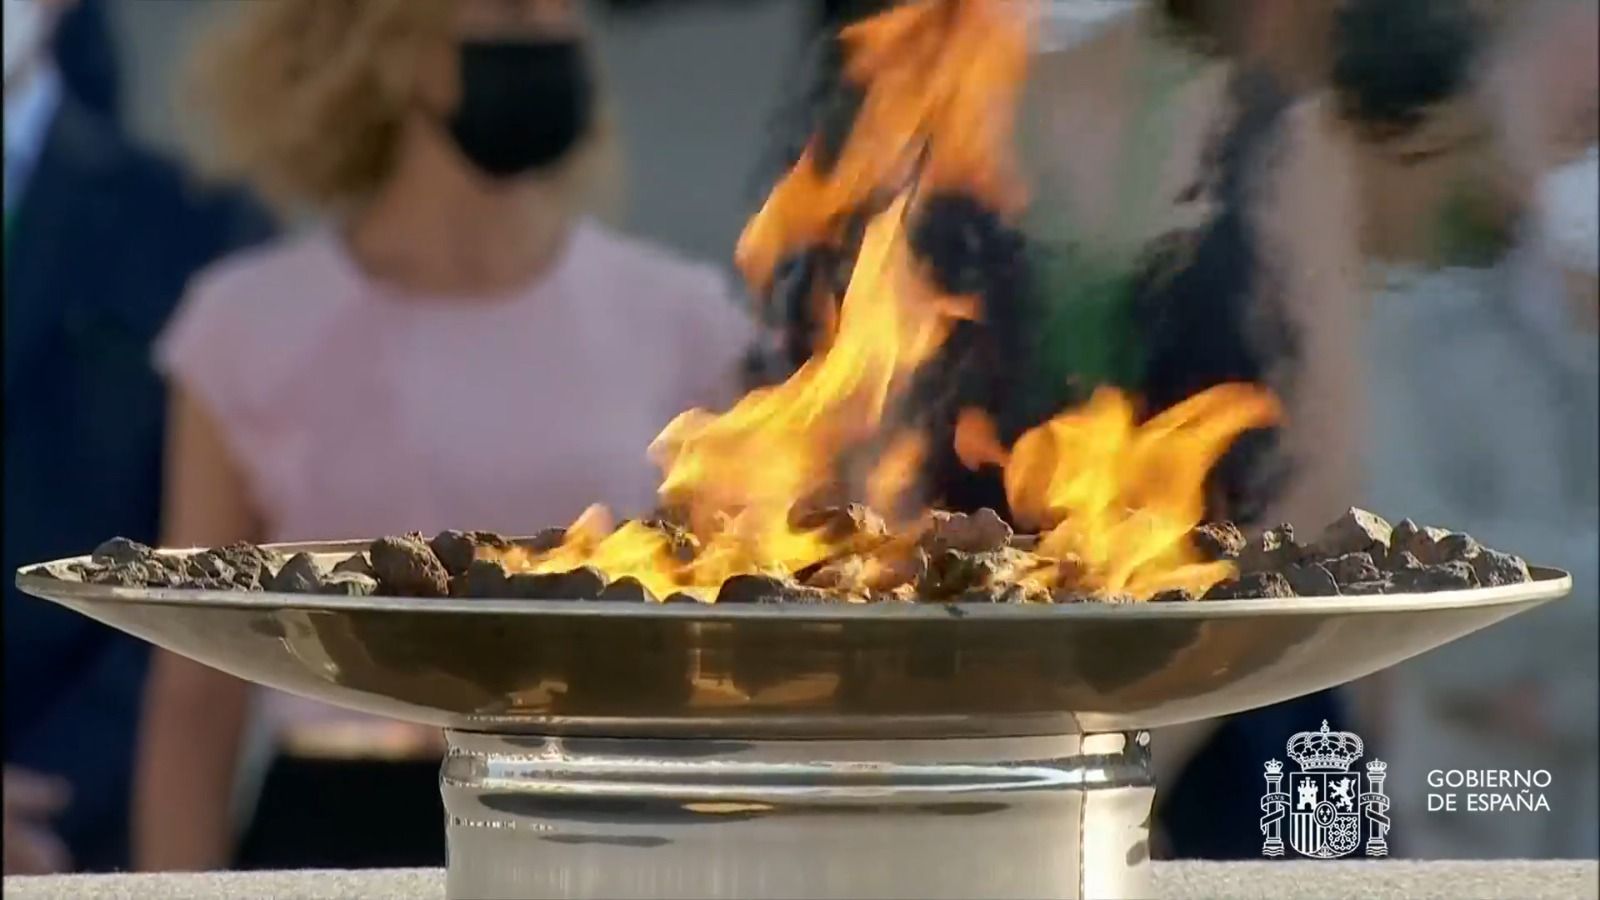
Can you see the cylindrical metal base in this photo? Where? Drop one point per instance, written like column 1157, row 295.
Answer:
column 1046, row 817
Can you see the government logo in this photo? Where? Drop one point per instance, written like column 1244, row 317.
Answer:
column 1326, row 808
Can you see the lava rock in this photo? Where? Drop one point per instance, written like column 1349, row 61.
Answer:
column 907, row 569
column 1357, row 531
column 1218, row 541
column 627, row 590
column 846, row 523
column 457, row 549
column 1457, row 547
column 954, row 572
column 1421, row 543
column 406, row 567
column 679, row 597
column 1450, row 576
column 300, row 575
column 981, row 532
column 1274, row 550
column 1368, row 588
column 349, row 584
column 358, row 564
column 903, row 593
column 744, row 589
column 847, row 573
column 60, row 571
column 1252, row 586
column 484, row 579
column 209, row 569
column 121, row 551
column 582, row 583
column 1311, row 579
column 131, row 575
column 1175, row 595
column 543, row 542
column 1352, row 568
column 1401, row 561
column 1495, row 568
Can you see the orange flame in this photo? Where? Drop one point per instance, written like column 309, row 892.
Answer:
column 1116, row 497
column 949, row 70
column 940, row 82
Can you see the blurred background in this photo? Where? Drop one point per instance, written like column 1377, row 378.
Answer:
column 1430, row 230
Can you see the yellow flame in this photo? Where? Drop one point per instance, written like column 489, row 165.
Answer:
column 1115, row 499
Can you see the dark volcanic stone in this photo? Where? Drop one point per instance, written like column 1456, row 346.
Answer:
column 349, row 584
column 1274, row 550
column 1252, row 586
column 131, row 575
column 548, row 539
column 1176, row 595
column 1353, row 568
column 1311, row 579
column 838, row 523
column 406, row 567
column 1495, row 568
column 209, row 568
column 1450, row 576
column 680, row 597
column 1421, row 543
column 742, row 589
column 359, row 564
column 457, row 549
column 627, row 590
column 1218, row 541
column 981, row 532
column 841, row 574
column 1368, row 588
column 953, row 572
column 751, row 589
column 300, row 575
column 121, row 551
column 1357, row 531
column 1401, row 561
column 62, row 571
column 252, row 565
column 484, row 579
column 1457, row 547
column 583, row 583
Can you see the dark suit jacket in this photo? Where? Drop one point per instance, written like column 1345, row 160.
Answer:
column 104, row 241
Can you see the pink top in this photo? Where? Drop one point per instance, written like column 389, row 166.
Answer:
column 355, row 411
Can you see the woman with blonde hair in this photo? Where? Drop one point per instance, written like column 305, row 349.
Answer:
column 455, row 344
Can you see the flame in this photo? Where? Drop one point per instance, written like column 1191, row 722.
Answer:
column 939, row 86
column 1118, row 498
column 950, row 69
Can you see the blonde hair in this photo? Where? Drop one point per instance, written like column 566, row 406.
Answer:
column 307, row 100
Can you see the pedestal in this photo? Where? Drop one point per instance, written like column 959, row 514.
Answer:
column 1045, row 817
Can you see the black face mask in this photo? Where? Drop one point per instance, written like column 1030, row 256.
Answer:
column 524, row 104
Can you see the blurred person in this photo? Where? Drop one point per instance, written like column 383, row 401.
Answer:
column 100, row 237
column 455, row 344
column 1485, row 338
column 87, row 58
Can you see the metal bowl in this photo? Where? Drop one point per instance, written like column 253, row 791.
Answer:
column 773, row 671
